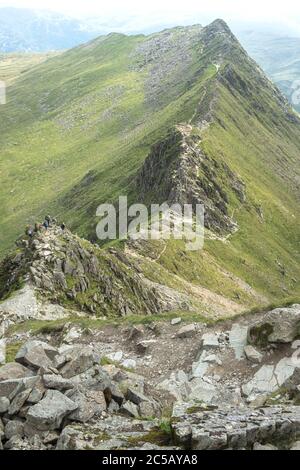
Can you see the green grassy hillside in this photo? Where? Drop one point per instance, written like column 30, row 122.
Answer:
column 15, row 64
column 78, row 128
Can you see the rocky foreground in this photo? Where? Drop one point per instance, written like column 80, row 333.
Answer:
column 161, row 385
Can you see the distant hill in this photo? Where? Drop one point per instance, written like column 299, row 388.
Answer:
column 37, row 31
column 279, row 56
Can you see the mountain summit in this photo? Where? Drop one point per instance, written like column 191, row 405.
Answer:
column 184, row 115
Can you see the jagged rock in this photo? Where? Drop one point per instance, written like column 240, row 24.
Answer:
column 72, row 335
column 13, row 370
column 95, row 377
column 281, row 325
column 36, row 354
column 148, row 409
column 10, row 388
column 130, row 409
column 209, row 341
column 90, row 403
column 78, row 360
column 293, row 382
column 50, row 411
column 212, row 359
column 187, row 331
column 18, row 402
column 201, row 390
column 57, row 382
column 269, row 378
column 238, row 339
column 15, row 442
column 252, row 354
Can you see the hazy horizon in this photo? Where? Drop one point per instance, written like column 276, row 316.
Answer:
column 132, row 16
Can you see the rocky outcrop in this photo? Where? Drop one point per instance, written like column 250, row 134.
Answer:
column 56, row 274
column 203, row 429
column 281, row 325
column 178, row 171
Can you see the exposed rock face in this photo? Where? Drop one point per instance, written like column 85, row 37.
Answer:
column 50, row 411
column 234, row 429
column 177, row 171
column 281, row 325
column 64, row 269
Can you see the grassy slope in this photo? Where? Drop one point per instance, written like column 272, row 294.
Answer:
column 86, row 113
column 15, row 64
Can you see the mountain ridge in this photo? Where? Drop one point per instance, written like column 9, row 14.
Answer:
column 102, row 107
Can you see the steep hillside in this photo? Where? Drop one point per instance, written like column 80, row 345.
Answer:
column 14, row 64
column 133, row 115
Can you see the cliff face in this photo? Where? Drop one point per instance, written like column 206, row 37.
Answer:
column 178, row 171
column 58, row 268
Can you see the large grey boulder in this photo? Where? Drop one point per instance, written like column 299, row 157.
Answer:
column 18, row 402
column 252, row 354
column 36, row 354
column 57, row 382
column 49, row 413
column 269, row 378
column 281, row 325
column 238, row 339
column 187, row 331
column 90, row 403
column 14, row 428
column 10, row 388
column 77, row 361
column 209, row 341
column 13, row 370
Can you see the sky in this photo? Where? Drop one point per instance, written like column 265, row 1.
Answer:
column 139, row 14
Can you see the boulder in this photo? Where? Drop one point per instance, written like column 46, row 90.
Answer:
column 130, row 409
column 209, row 341
column 270, row 378
column 57, row 382
column 18, row 402
column 175, row 321
column 49, row 413
column 89, row 403
column 238, row 339
column 14, row 428
column 252, row 354
column 281, row 325
column 13, row 370
column 78, row 360
column 187, row 331
column 10, row 388
column 36, row 354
